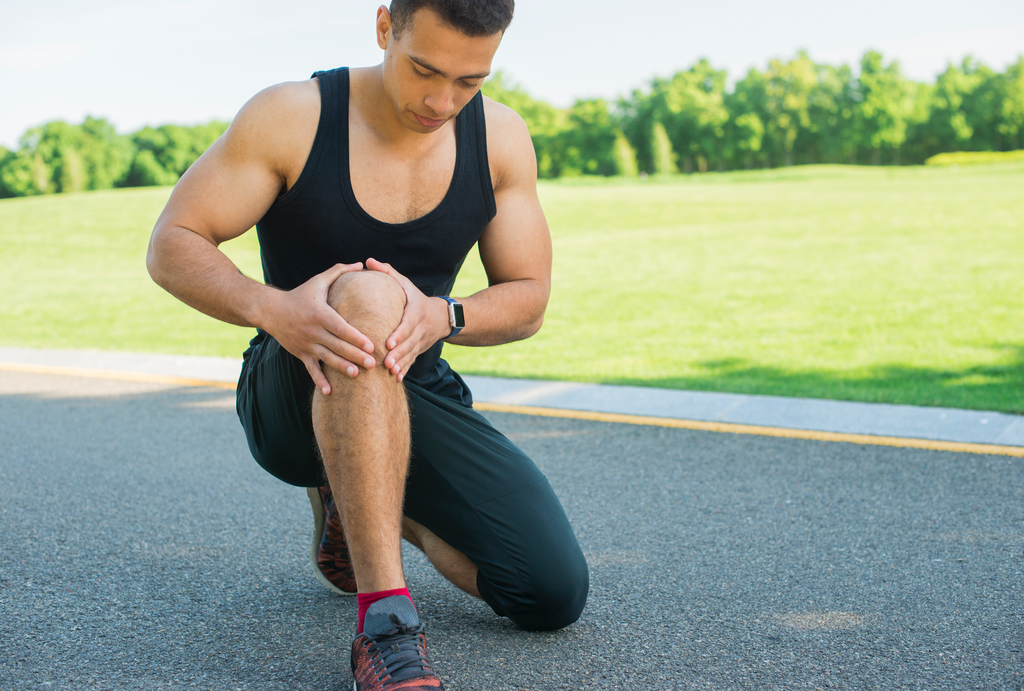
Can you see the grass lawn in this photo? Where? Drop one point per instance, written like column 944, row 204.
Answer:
column 872, row 284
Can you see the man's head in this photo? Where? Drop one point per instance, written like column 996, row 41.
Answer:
column 437, row 54
column 470, row 17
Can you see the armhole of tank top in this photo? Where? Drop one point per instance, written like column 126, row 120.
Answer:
column 325, row 82
column 486, row 186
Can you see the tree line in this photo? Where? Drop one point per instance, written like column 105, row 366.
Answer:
column 794, row 112
column 58, row 157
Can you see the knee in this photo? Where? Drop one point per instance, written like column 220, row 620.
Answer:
column 557, row 603
column 370, row 301
column 554, row 599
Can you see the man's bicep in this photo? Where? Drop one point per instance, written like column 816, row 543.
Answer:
column 237, row 179
column 516, row 245
column 223, row 193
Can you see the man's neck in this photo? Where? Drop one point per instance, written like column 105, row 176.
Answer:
column 375, row 109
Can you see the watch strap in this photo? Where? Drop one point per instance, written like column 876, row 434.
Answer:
column 452, row 321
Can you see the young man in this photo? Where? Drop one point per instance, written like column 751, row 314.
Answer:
column 367, row 188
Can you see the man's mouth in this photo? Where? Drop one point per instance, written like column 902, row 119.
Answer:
column 427, row 122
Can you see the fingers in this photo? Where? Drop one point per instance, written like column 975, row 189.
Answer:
column 375, row 265
column 333, row 321
column 345, row 334
column 317, row 374
column 332, row 274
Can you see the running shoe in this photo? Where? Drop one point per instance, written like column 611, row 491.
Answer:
column 391, row 652
column 329, row 552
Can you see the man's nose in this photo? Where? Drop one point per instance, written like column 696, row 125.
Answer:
column 440, row 101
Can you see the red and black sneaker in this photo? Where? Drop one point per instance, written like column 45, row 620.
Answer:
column 391, row 652
column 329, row 552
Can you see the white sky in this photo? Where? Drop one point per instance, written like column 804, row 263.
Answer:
column 150, row 62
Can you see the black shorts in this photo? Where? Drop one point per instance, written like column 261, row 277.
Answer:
column 467, row 483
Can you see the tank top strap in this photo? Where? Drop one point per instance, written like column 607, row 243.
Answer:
column 473, row 137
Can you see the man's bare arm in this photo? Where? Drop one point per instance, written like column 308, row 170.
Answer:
column 220, row 197
column 515, row 249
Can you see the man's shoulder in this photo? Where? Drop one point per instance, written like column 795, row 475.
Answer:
column 509, row 146
column 288, row 100
column 502, row 120
column 278, row 125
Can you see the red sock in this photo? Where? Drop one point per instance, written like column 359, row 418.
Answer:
column 367, row 599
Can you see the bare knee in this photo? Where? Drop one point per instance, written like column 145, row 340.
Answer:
column 370, row 301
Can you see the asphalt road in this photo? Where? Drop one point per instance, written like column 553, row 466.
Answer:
column 141, row 548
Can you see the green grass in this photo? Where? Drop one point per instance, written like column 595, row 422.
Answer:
column 873, row 284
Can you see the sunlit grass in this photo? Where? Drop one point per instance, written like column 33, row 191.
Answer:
column 899, row 285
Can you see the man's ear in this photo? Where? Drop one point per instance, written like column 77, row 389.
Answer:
column 384, row 27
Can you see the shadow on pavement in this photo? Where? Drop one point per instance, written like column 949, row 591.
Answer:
column 998, row 387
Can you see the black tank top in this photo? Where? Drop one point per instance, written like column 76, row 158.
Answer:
column 318, row 222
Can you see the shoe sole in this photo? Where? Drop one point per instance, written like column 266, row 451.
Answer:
column 319, row 521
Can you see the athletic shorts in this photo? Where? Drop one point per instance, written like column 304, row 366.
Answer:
column 467, row 483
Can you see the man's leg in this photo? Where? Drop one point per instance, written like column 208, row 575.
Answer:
column 487, row 518
column 362, row 430
column 449, row 562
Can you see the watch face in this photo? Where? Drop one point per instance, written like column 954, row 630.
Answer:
column 460, row 319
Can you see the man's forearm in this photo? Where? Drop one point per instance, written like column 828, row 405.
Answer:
column 503, row 313
column 193, row 270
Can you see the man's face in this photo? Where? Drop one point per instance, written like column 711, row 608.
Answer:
column 431, row 70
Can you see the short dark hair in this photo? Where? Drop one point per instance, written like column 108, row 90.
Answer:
column 471, row 17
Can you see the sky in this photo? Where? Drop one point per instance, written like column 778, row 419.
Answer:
column 149, row 63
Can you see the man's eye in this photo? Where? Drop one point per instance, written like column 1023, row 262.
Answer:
column 471, row 85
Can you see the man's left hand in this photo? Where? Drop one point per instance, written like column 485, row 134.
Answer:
column 424, row 323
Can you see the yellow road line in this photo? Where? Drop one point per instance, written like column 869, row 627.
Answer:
column 111, row 374
column 733, row 428
column 727, row 427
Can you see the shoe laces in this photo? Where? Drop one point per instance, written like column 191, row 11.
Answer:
column 398, row 653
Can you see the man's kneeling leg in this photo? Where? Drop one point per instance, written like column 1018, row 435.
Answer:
column 362, row 431
column 475, row 490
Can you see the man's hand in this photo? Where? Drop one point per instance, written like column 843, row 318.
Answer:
column 424, row 323
column 310, row 329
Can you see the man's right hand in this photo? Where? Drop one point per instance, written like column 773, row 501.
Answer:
column 310, row 329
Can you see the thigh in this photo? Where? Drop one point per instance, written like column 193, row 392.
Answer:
column 274, row 404
column 481, row 494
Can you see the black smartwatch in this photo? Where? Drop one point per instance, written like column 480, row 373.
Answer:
column 456, row 317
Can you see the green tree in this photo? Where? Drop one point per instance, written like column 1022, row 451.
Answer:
column 7, row 157
column 887, row 103
column 624, row 156
column 691, row 106
column 1011, row 106
column 949, row 127
column 663, row 158
column 748, row 113
column 788, row 88
column 164, row 153
column 833, row 134
column 589, row 140
column 47, row 161
column 635, row 116
column 544, row 121
column 106, row 155
column 746, row 134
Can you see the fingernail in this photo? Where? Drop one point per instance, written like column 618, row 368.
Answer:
column 326, row 391
column 368, row 347
column 352, row 371
column 368, row 363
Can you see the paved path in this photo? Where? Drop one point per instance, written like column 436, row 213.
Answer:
column 143, row 549
column 839, row 417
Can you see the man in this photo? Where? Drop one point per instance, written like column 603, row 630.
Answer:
column 367, row 188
